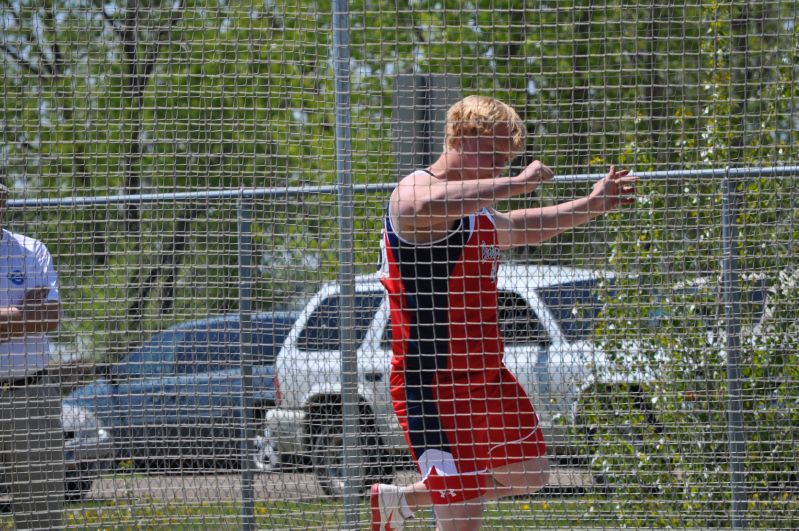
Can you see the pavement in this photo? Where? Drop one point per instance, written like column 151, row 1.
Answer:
column 283, row 486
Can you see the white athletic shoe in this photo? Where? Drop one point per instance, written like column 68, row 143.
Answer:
column 387, row 507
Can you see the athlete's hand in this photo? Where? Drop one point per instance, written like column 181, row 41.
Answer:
column 616, row 188
column 534, row 174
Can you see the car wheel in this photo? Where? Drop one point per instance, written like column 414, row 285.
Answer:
column 265, row 455
column 328, row 456
column 78, row 483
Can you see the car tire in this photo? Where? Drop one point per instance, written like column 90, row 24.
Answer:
column 78, row 483
column 265, row 455
column 327, row 456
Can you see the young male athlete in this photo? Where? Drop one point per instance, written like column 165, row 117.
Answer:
column 468, row 423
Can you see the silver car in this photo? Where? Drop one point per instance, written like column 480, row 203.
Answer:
column 88, row 449
column 88, row 452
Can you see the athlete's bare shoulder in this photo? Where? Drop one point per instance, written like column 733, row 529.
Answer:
column 409, row 212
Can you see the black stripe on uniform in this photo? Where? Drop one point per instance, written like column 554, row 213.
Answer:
column 425, row 271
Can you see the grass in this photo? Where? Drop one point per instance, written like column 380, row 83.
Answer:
column 273, row 515
column 541, row 511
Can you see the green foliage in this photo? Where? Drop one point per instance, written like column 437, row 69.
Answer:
column 208, row 94
column 672, row 439
column 771, row 398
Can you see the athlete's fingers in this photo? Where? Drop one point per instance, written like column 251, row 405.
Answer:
column 620, row 175
column 546, row 173
column 627, row 194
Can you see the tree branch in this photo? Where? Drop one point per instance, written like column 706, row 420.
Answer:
column 171, row 260
column 112, row 23
column 57, row 65
column 11, row 12
column 24, row 63
column 152, row 56
column 168, row 265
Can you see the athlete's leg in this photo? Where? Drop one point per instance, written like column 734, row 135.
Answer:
column 509, row 444
column 418, row 496
column 463, row 516
column 518, row 454
column 466, row 515
column 518, row 479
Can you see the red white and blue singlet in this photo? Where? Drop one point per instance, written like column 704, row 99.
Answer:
column 463, row 413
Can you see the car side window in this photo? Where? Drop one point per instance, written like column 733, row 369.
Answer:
column 321, row 331
column 575, row 305
column 385, row 343
column 155, row 358
column 207, row 351
column 518, row 322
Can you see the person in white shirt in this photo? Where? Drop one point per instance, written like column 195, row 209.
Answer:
column 31, row 436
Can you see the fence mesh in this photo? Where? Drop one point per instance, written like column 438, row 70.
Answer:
column 195, row 375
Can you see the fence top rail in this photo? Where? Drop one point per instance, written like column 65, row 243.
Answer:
column 252, row 193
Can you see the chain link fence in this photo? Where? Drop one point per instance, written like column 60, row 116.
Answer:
column 211, row 178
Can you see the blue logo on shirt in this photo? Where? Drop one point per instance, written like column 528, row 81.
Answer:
column 17, row 277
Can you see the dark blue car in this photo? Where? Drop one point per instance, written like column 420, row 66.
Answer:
column 176, row 400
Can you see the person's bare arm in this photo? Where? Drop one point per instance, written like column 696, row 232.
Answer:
column 423, row 207
column 34, row 315
column 530, row 226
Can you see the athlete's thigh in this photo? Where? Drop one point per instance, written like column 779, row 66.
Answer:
column 463, row 516
column 524, row 474
column 514, row 432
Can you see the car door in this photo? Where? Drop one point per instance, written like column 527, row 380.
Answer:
column 207, row 386
column 574, row 359
column 374, row 361
column 140, row 394
column 527, row 341
column 319, row 342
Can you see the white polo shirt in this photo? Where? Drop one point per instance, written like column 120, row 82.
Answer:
column 25, row 263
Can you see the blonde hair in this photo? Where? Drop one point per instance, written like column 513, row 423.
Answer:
column 478, row 116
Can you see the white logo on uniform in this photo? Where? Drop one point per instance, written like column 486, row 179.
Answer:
column 449, row 494
column 490, row 252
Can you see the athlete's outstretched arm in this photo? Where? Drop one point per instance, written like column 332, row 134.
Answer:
column 424, row 203
column 529, row 226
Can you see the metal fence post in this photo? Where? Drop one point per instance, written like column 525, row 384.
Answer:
column 730, row 177
column 732, row 304
column 349, row 363
column 418, row 117
column 246, row 340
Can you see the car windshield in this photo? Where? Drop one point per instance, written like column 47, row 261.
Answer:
column 321, row 332
column 575, row 305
